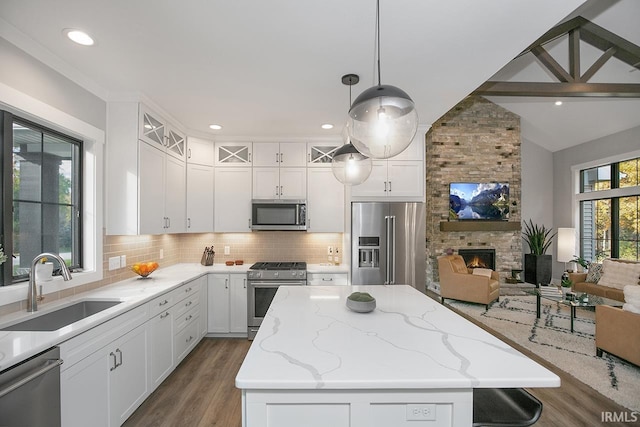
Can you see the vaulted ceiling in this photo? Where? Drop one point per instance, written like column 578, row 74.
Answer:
column 273, row 69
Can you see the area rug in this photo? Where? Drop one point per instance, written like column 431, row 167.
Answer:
column 550, row 337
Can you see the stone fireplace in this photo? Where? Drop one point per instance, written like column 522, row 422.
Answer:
column 476, row 141
column 479, row 258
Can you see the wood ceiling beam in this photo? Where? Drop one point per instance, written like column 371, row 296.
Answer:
column 562, row 89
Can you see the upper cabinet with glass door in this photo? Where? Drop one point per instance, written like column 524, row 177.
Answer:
column 156, row 131
column 233, row 154
column 320, row 154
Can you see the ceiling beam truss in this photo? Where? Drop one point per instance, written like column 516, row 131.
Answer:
column 571, row 83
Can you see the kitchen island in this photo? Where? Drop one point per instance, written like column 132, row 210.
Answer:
column 410, row 362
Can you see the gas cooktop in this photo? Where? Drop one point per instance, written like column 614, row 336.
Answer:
column 300, row 265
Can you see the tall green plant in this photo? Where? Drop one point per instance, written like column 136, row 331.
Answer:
column 537, row 237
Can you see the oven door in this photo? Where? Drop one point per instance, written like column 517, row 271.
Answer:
column 260, row 295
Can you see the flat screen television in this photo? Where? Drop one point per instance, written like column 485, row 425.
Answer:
column 479, row 201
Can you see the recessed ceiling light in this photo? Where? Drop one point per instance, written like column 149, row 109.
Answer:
column 215, row 127
column 327, row 126
column 558, row 103
column 78, row 36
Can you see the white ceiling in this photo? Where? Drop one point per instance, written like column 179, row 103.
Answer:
column 273, row 68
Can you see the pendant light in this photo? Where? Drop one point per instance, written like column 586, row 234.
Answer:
column 383, row 119
column 348, row 165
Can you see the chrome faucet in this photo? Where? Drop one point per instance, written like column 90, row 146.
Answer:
column 32, row 296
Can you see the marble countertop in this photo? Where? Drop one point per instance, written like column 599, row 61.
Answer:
column 311, row 340
column 16, row 346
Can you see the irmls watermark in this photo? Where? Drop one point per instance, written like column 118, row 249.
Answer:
column 620, row 416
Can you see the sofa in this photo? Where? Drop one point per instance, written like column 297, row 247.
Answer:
column 465, row 284
column 607, row 279
column 617, row 329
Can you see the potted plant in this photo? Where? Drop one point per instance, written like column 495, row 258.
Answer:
column 537, row 265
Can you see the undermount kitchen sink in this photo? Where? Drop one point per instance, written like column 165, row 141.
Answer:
column 62, row 317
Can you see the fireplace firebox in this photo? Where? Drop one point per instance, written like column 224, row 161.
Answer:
column 479, row 258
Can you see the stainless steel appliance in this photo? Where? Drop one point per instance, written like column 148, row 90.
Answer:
column 263, row 280
column 278, row 215
column 388, row 244
column 30, row 391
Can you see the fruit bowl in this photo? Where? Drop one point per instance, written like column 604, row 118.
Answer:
column 144, row 269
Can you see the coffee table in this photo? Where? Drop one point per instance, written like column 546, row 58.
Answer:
column 582, row 299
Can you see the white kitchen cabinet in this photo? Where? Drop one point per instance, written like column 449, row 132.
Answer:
column 327, row 279
column 325, row 202
column 279, row 183
column 162, row 192
column 161, row 346
column 200, row 199
column 320, row 154
column 227, row 308
column 233, row 154
column 279, row 154
column 232, row 200
column 105, row 388
column 145, row 191
column 200, row 151
column 238, row 304
column 400, row 178
column 156, row 131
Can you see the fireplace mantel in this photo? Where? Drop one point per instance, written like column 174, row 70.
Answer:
column 479, row 225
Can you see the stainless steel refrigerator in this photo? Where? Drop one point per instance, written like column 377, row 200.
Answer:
column 388, row 244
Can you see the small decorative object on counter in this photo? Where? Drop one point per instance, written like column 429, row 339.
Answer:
column 229, row 263
column 207, row 256
column 239, row 262
column 44, row 270
column 144, row 269
column 361, row 302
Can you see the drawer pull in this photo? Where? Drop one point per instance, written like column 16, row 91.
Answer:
column 186, row 319
column 188, row 304
column 188, row 290
column 330, row 279
column 162, row 316
column 188, row 340
column 165, row 302
column 115, row 361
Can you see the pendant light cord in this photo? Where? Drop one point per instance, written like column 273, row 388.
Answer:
column 378, row 36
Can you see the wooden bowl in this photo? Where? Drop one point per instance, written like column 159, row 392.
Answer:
column 229, row 263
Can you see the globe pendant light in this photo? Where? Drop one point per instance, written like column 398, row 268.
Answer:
column 348, row 165
column 383, row 119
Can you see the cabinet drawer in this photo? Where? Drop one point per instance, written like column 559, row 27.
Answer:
column 185, row 340
column 327, row 279
column 186, row 318
column 162, row 303
column 187, row 290
column 187, row 303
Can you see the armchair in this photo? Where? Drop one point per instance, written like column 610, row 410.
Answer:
column 457, row 282
column 618, row 332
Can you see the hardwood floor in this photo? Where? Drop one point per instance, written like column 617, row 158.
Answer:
column 201, row 392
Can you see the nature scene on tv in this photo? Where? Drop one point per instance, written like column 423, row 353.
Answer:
column 488, row 201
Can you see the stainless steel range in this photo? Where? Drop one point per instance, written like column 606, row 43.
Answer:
column 263, row 280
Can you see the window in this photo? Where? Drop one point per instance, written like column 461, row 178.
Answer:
column 42, row 211
column 609, row 204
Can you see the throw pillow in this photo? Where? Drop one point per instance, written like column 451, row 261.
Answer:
column 619, row 274
column 595, row 273
column 632, row 295
column 482, row 272
column 631, row 308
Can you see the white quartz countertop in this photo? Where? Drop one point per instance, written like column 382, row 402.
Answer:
column 309, row 339
column 16, row 346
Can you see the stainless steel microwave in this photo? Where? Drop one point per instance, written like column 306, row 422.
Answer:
column 278, row 214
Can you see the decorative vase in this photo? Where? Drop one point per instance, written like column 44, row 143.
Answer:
column 537, row 269
column 44, row 271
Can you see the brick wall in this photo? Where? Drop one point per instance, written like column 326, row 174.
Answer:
column 476, row 141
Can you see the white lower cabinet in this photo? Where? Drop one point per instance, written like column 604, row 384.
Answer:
column 227, row 308
column 327, row 279
column 161, row 343
column 106, row 387
column 112, row 368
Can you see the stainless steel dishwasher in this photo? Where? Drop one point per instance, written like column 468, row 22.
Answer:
column 30, row 391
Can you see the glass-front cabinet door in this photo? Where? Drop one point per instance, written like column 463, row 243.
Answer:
column 152, row 128
column 321, row 154
column 233, row 153
column 176, row 143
